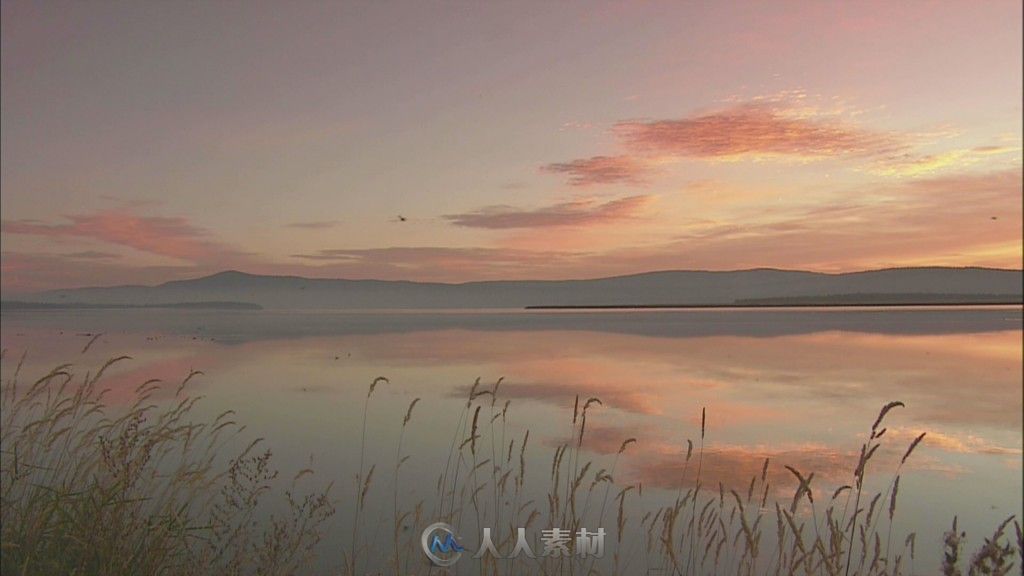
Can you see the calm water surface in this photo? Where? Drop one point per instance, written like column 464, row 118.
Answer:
column 801, row 387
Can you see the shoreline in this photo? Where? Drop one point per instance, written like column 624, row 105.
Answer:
column 770, row 306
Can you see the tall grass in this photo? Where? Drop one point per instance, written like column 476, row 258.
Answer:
column 152, row 489
column 87, row 488
column 726, row 530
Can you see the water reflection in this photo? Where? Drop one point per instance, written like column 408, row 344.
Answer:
column 797, row 387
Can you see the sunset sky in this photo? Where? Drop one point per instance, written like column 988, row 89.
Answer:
column 150, row 141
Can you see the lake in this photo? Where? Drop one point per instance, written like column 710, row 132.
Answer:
column 798, row 387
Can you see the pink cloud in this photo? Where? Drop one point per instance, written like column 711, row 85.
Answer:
column 754, row 129
column 778, row 126
column 601, row 170
column 174, row 237
column 575, row 213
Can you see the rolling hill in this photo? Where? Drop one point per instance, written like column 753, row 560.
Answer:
column 686, row 288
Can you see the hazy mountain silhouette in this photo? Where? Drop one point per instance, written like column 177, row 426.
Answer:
column 652, row 288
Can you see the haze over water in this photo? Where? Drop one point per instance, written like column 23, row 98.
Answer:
column 801, row 387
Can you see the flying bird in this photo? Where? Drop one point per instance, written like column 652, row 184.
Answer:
column 402, row 218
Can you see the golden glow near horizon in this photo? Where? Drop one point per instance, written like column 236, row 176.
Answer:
column 144, row 143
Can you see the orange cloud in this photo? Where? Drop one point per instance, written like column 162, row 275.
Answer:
column 601, row 170
column 575, row 213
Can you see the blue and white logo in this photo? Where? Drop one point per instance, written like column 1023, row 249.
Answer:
column 441, row 545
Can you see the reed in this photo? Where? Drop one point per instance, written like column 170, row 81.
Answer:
column 150, row 489
column 147, row 489
column 400, row 517
column 362, row 483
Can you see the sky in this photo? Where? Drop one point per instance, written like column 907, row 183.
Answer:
column 151, row 141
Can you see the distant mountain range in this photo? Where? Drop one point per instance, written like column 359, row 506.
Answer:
column 668, row 288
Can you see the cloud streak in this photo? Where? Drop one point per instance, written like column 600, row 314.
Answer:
column 314, row 225
column 601, row 170
column 433, row 263
column 92, row 255
column 967, row 444
column 913, row 165
column 575, row 213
